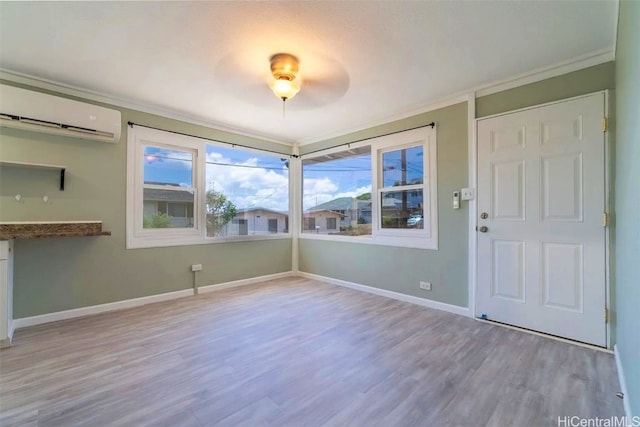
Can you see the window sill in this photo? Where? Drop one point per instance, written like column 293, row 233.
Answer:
column 403, row 242
column 148, row 244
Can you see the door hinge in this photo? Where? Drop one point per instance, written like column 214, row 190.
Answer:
column 604, row 124
column 605, row 219
column 606, row 315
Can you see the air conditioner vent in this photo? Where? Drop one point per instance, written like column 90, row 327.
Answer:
column 34, row 111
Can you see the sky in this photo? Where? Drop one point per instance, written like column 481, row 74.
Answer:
column 251, row 179
column 331, row 179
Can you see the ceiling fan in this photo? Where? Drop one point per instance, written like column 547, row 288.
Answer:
column 313, row 79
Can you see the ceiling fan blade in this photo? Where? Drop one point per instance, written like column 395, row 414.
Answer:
column 246, row 77
column 319, row 93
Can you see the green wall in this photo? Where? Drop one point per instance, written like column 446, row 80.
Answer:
column 400, row 269
column 627, row 204
column 577, row 83
column 60, row 274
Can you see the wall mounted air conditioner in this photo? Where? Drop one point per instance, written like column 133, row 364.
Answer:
column 39, row 112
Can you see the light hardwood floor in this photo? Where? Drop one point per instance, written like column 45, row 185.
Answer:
column 296, row 352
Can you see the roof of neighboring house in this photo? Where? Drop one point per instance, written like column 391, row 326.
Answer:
column 342, row 204
column 339, row 204
column 310, row 212
column 154, row 194
column 248, row 210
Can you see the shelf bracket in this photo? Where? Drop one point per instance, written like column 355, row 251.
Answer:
column 62, row 179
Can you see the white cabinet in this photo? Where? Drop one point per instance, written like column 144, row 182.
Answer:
column 6, row 292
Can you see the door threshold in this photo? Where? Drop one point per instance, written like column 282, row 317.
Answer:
column 542, row 334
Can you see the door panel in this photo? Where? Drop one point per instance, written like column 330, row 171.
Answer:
column 562, row 263
column 562, row 188
column 508, row 270
column 508, row 190
column 541, row 259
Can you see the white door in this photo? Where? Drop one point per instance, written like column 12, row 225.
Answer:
column 541, row 200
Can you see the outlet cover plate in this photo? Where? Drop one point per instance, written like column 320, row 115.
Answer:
column 425, row 285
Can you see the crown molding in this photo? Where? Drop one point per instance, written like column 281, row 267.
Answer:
column 578, row 63
column 66, row 89
column 435, row 105
column 583, row 61
column 615, row 29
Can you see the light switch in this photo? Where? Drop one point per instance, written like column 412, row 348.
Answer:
column 468, row 193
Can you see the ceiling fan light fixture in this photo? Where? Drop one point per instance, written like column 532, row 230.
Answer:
column 284, row 89
column 284, row 68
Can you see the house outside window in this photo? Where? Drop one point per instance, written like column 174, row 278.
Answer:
column 337, row 186
column 183, row 190
column 383, row 189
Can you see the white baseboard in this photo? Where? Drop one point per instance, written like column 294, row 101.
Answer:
column 244, row 282
column 119, row 305
column 135, row 302
column 463, row 311
column 12, row 328
column 95, row 309
column 623, row 384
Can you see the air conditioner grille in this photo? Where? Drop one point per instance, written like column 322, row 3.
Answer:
column 53, row 125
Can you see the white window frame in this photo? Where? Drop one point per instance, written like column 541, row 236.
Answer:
column 139, row 237
column 426, row 238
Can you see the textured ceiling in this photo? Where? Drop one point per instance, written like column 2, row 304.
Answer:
column 360, row 62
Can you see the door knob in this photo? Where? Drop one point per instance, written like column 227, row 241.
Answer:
column 483, row 229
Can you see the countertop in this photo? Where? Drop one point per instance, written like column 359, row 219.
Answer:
column 42, row 229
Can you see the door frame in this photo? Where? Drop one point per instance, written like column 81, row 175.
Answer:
column 473, row 204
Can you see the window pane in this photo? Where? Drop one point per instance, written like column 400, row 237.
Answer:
column 337, row 193
column 402, row 167
column 168, row 167
column 402, row 209
column 247, row 193
column 167, row 208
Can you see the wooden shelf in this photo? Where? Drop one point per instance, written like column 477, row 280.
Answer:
column 38, row 230
column 41, row 166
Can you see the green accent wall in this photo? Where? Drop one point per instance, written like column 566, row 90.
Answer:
column 64, row 273
column 400, row 269
column 577, row 83
column 627, row 204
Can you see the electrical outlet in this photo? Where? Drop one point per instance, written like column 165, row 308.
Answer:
column 196, row 267
column 425, row 285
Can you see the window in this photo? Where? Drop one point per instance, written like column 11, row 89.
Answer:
column 245, row 185
column 309, row 224
column 401, row 193
column 337, row 186
column 168, row 191
column 182, row 190
column 384, row 190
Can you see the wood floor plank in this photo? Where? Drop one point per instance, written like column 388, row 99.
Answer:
column 296, row 352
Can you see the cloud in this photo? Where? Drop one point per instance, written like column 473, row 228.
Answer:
column 244, row 178
column 356, row 192
column 247, row 184
column 318, row 191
